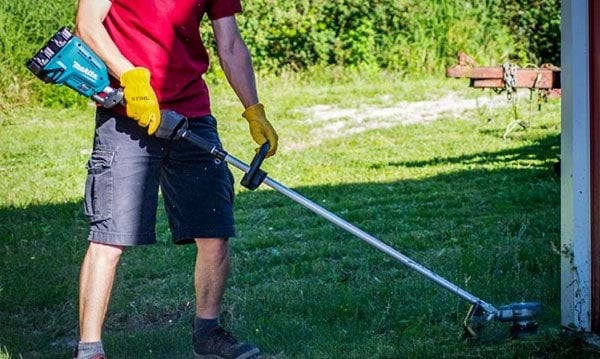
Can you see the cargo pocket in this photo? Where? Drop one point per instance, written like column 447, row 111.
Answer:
column 99, row 185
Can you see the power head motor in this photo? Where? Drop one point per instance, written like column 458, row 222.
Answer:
column 66, row 60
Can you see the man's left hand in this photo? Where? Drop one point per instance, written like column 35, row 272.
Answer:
column 260, row 128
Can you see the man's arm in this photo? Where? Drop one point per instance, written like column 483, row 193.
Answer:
column 237, row 65
column 141, row 102
column 235, row 60
column 89, row 27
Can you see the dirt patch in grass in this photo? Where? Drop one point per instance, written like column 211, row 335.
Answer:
column 329, row 121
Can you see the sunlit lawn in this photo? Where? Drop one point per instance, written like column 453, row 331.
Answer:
column 478, row 209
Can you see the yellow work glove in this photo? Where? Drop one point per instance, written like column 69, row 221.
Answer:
column 140, row 99
column 260, row 128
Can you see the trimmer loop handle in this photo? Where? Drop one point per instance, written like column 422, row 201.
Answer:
column 255, row 176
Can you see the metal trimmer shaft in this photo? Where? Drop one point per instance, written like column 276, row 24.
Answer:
column 349, row 227
column 521, row 315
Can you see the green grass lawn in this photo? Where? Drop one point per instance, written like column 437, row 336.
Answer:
column 452, row 194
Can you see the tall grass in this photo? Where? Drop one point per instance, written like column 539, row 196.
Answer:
column 437, row 30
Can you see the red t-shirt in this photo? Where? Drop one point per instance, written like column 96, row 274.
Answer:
column 164, row 37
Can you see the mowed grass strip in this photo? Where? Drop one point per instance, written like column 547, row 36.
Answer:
column 452, row 194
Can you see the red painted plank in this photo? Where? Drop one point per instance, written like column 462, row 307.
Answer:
column 546, row 79
column 492, row 77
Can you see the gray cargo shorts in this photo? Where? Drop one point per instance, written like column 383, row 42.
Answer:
column 126, row 169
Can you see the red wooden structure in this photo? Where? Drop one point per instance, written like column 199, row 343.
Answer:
column 546, row 77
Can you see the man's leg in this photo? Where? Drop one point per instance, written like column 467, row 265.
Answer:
column 210, row 276
column 121, row 196
column 96, row 281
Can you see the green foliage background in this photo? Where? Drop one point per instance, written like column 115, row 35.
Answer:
column 408, row 36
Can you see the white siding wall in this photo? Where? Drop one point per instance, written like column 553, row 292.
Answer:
column 575, row 171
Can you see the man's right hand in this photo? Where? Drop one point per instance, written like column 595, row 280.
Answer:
column 140, row 99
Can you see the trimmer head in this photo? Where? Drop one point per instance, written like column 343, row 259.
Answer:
column 521, row 315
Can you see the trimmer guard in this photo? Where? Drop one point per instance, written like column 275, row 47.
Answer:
column 521, row 315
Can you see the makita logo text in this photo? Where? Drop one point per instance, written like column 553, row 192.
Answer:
column 85, row 70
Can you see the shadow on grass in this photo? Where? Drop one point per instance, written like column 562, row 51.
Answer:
column 302, row 288
column 545, row 149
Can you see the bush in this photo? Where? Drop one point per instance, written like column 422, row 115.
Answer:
column 411, row 36
column 536, row 28
column 407, row 36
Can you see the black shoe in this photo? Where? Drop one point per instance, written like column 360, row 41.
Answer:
column 220, row 344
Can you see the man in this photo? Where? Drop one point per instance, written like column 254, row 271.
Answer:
column 154, row 51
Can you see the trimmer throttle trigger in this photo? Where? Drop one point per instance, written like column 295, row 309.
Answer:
column 172, row 125
column 255, row 176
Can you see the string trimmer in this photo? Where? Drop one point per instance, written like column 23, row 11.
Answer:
column 66, row 60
